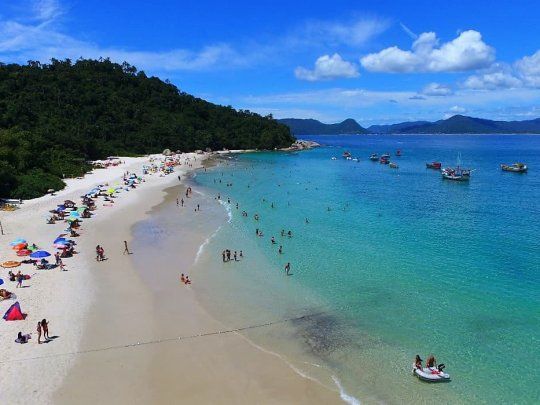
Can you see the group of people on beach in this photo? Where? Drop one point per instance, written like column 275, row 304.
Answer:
column 227, row 255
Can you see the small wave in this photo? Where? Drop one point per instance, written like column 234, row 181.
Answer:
column 203, row 245
column 228, row 209
column 344, row 396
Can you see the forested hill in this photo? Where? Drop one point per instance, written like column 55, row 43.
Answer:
column 54, row 117
column 313, row 127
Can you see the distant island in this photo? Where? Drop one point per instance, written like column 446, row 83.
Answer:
column 314, row 127
column 458, row 124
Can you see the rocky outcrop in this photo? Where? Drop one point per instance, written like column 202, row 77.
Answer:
column 301, row 145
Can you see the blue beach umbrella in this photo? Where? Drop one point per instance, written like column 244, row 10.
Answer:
column 59, row 240
column 17, row 241
column 39, row 254
column 1, row 281
column 74, row 214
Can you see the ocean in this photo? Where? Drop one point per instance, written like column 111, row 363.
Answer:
column 385, row 264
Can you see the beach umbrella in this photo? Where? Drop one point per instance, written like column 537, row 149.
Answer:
column 18, row 241
column 39, row 254
column 60, row 240
column 1, row 281
column 20, row 246
column 60, row 207
column 72, row 219
column 10, row 264
column 74, row 214
column 24, row 252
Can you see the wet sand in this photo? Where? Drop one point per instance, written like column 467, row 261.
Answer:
column 147, row 340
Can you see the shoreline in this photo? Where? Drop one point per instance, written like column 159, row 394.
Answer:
column 106, row 302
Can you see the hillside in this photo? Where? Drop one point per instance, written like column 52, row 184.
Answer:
column 395, row 128
column 461, row 124
column 314, row 127
column 54, row 117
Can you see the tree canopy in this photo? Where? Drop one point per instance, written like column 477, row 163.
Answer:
column 55, row 117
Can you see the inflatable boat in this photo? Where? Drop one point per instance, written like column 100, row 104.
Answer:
column 431, row 374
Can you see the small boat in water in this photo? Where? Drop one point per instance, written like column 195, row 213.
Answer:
column 393, row 165
column 374, row 157
column 456, row 174
column 516, row 168
column 384, row 160
column 347, row 154
column 434, row 165
column 385, row 155
column 431, row 374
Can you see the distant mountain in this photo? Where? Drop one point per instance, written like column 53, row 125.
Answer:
column 314, row 127
column 460, row 124
column 395, row 128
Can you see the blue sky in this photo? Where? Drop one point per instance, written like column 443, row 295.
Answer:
column 376, row 61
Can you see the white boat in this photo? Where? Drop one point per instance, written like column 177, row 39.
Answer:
column 431, row 374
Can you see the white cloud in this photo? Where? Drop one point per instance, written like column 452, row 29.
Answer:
column 328, row 67
column 454, row 110
column 528, row 69
column 466, row 52
column 525, row 72
column 436, row 89
column 41, row 39
column 355, row 32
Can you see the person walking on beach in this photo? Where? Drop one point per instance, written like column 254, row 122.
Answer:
column 241, row 255
column 62, row 265
column 287, row 268
column 182, row 202
column 235, row 257
column 20, row 278
column 177, row 203
column 126, row 250
column 45, row 327
column 38, row 330
column 223, row 256
column 57, row 258
column 98, row 253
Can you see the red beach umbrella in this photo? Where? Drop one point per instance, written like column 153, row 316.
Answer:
column 24, row 252
column 20, row 246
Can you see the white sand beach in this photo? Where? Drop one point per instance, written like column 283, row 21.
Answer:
column 117, row 341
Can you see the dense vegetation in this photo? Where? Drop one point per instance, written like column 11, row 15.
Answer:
column 55, row 117
column 314, row 127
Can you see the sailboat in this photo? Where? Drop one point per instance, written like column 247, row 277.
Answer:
column 457, row 173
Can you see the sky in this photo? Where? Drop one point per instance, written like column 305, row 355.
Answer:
column 377, row 61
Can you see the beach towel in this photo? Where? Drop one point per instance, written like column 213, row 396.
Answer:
column 14, row 313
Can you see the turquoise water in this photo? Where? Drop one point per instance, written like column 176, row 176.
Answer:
column 393, row 262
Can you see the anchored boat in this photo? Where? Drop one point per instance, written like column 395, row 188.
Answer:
column 434, row 165
column 431, row 374
column 393, row 165
column 374, row 157
column 516, row 168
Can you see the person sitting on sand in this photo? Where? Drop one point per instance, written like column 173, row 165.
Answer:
column 188, row 281
column 430, row 362
column 183, row 278
column 418, row 362
column 22, row 339
column 4, row 294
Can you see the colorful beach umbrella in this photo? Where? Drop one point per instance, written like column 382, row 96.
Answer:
column 1, row 281
column 17, row 241
column 20, row 246
column 39, row 254
column 74, row 214
column 24, row 252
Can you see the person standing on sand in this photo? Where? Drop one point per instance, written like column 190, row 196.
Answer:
column 287, row 268
column 241, row 255
column 182, row 201
column 20, row 279
column 45, row 327
column 38, row 329
column 177, row 203
column 98, row 253
column 235, row 257
column 223, row 256
column 126, row 250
